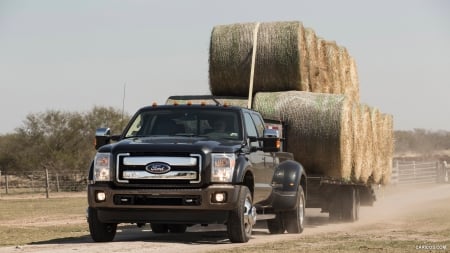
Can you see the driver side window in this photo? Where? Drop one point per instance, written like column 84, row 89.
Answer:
column 251, row 129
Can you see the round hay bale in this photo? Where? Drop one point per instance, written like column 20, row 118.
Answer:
column 388, row 147
column 280, row 58
column 358, row 142
column 324, row 85
column 367, row 147
column 377, row 148
column 354, row 80
column 312, row 53
column 333, row 67
column 345, row 75
column 319, row 129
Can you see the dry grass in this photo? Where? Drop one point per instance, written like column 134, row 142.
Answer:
column 27, row 220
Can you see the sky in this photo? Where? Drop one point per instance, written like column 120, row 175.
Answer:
column 74, row 55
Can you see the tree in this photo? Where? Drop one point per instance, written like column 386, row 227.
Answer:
column 56, row 140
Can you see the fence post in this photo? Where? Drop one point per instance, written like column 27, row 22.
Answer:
column 47, row 184
column 0, row 183
column 6, row 183
column 57, row 182
column 438, row 172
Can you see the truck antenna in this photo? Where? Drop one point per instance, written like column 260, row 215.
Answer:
column 123, row 104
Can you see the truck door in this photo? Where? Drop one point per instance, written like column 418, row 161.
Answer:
column 263, row 163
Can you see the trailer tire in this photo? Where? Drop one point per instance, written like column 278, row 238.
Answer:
column 100, row 232
column 350, row 204
column 276, row 226
column 159, row 228
column 242, row 218
column 294, row 220
column 336, row 206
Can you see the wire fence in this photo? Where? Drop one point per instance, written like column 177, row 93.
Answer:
column 412, row 172
column 42, row 181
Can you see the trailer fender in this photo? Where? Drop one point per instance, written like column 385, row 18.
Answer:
column 288, row 176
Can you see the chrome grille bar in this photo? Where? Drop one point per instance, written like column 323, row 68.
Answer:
column 173, row 161
column 172, row 175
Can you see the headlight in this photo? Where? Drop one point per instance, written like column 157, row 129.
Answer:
column 102, row 167
column 222, row 167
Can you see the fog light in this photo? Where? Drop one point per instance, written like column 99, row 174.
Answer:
column 100, row 196
column 220, row 197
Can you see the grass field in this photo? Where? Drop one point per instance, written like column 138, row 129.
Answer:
column 28, row 220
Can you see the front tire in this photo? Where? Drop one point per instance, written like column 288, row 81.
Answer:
column 294, row 220
column 242, row 218
column 100, row 232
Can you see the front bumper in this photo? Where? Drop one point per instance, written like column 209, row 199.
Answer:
column 190, row 206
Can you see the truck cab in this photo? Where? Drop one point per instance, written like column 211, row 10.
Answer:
column 175, row 166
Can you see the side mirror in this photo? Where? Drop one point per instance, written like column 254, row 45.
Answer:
column 102, row 137
column 271, row 140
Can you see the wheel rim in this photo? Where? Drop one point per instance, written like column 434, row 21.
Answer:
column 301, row 211
column 249, row 215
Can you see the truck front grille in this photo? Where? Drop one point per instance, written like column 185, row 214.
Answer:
column 159, row 170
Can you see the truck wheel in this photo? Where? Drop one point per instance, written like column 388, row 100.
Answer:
column 294, row 219
column 242, row 218
column 158, row 228
column 177, row 228
column 335, row 208
column 276, row 226
column 350, row 204
column 100, row 232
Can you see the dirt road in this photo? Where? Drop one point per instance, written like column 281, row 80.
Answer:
column 397, row 208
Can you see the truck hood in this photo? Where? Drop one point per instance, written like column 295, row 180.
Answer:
column 173, row 144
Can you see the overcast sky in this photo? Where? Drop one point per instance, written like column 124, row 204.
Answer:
column 72, row 55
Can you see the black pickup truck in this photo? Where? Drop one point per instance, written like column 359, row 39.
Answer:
column 175, row 166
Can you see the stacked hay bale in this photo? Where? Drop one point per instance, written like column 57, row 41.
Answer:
column 312, row 85
column 367, row 165
column 320, row 128
column 289, row 57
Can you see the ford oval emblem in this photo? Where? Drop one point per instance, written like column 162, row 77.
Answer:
column 157, row 168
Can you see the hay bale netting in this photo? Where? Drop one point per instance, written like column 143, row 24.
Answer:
column 358, row 142
column 388, row 147
column 319, row 128
column 280, row 58
column 367, row 146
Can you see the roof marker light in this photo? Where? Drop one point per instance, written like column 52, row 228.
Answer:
column 154, row 104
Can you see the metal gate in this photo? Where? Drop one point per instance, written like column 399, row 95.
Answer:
column 412, row 172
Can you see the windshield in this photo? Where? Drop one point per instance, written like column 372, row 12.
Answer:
column 212, row 123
